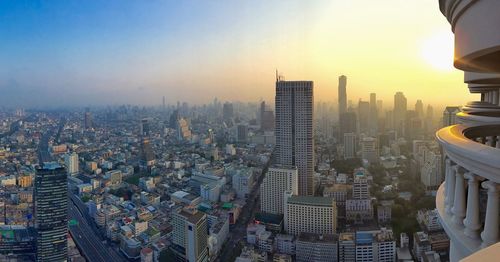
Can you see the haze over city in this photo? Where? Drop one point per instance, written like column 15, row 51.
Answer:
column 72, row 53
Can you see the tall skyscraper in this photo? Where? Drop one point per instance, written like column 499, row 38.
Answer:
column 227, row 111
column 190, row 235
column 373, row 120
column 294, row 130
column 71, row 162
column 342, row 94
column 363, row 116
column 350, row 145
column 419, row 108
column 399, row 112
column 51, row 212
column 347, row 124
column 277, row 181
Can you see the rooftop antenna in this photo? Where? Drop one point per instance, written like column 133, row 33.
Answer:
column 277, row 76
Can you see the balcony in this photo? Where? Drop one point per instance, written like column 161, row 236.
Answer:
column 468, row 201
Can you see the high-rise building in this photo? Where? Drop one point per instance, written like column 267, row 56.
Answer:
column 468, row 201
column 377, row 245
column 369, row 149
column 419, row 108
column 364, row 116
column 277, row 181
column 294, row 130
column 51, row 212
column 399, row 112
column 450, row 115
column 227, row 111
column 373, row 120
column 347, row 124
column 309, row 214
column 190, row 235
column 72, row 164
column 266, row 118
column 145, row 128
column 242, row 133
column 316, row 247
column 350, row 147
column 347, row 247
column 342, row 94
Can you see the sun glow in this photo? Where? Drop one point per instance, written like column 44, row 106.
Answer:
column 437, row 50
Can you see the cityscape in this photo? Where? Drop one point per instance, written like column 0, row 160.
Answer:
column 288, row 167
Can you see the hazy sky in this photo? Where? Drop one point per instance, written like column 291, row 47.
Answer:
column 112, row 52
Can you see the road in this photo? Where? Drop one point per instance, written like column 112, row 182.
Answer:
column 85, row 238
column 88, row 242
column 239, row 230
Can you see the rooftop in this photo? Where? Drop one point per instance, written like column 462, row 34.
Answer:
column 311, row 200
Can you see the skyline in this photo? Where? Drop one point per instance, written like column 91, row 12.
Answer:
column 70, row 53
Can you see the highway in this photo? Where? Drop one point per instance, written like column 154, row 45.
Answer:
column 85, row 238
column 89, row 244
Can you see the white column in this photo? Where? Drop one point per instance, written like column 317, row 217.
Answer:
column 451, row 189
column 490, row 232
column 447, row 172
column 471, row 220
column 459, row 199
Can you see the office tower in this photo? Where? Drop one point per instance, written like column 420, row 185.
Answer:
column 347, row 124
column 450, row 115
column 429, row 120
column 413, row 126
column 145, row 128
column 431, row 172
column 309, row 214
column 174, row 118
column 242, row 133
column 315, row 247
column 71, row 162
column 190, row 235
column 87, row 119
column 363, row 116
column 227, row 111
column 380, row 106
column 469, row 214
column 399, row 112
column 164, row 104
column 51, row 212
column 266, row 117
column 342, row 94
column 419, row 108
column 350, row 147
column 148, row 158
column 294, row 130
column 373, row 120
column 369, row 149
column 277, row 181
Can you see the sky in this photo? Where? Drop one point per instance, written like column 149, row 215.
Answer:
column 111, row 52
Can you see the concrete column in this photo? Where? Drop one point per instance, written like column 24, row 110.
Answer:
column 447, row 172
column 471, row 221
column 490, row 232
column 458, row 209
column 451, row 189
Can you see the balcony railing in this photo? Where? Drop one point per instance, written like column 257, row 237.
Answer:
column 468, row 201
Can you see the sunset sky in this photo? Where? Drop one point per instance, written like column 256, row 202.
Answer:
column 114, row 52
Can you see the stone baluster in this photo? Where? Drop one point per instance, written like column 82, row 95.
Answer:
column 458, row 209
column 471, row 221
column 490, row 232
column 450, row 192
